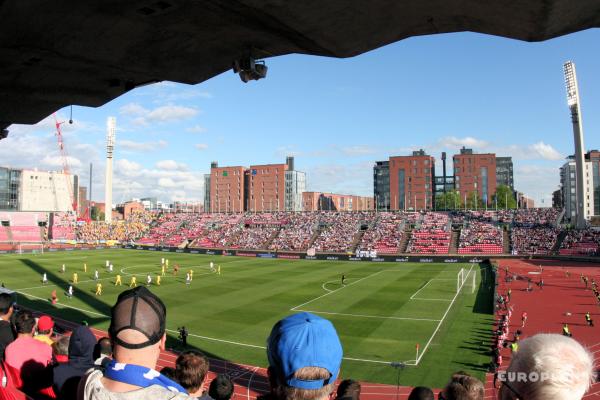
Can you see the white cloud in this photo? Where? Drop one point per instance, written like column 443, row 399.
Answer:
column 133, row 109
column 140, row 146
column 166, row 183
column 546, row 151
column 171, row 113
column 454, row 142
column 537, row 182
column 171, row 165
column 143, row 116
column 201, row 146
column 56, row 162
column 358, row 150
column 196, row 129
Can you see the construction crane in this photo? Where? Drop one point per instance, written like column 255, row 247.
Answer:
column 65, row 163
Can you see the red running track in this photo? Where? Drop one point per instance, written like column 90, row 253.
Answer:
column 561, row 300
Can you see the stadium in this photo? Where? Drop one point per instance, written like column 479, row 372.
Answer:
column 449, row 276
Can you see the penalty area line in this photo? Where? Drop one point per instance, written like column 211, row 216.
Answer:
column 369, row 316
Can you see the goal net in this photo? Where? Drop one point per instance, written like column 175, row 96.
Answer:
column 465, row 276
column 33, row 248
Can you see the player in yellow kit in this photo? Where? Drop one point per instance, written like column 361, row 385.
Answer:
column 219, row 269
column 84, row 267
column 157, row 280
column 162, row 270
column 98, row 289
column 133, row 282
column 118, row 281
column 75, row 277
column 191, row 274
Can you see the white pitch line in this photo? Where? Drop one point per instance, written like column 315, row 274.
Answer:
column 220, row 340
column 422, row 287
column 64, row 305
column 443, row 317
column 369, row 316
column 333, row 291
column 325, row 284
column 250, row 382
column 419, row 298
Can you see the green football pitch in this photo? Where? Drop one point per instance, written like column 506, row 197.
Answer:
column 381, row 313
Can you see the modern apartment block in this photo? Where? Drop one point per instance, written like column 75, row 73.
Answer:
column 504, row 172
column 318, row 201
column 227, row 189
column 475, row 173
column 258, row 188
column 591, row 186
column 409, row 182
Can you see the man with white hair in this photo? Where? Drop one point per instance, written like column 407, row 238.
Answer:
column 548, row 366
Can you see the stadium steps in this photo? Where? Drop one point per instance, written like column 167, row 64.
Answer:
column 356, row 241
column 314, row 237
column 404, row 242
column 9, row 234
column 454, row 238
column 559, row 240
column 506, row 245
column 273, row 237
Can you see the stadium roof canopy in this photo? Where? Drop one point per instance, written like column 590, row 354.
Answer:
column 57, row 53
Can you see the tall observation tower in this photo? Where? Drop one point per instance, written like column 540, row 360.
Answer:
column 573, row 101
column 111, row 126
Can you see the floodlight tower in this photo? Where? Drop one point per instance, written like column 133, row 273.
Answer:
column 111, row 126
column 574, row 107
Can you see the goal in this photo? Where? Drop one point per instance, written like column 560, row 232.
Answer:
column 463, row 276
column 33, row 248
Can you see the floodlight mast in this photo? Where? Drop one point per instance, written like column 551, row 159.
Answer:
column 574, row 107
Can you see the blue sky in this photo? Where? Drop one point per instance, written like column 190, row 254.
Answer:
column 338, row 116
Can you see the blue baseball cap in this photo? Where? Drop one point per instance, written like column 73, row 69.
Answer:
column 304, row 340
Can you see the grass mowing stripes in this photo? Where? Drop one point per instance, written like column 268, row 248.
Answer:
column 374, row 313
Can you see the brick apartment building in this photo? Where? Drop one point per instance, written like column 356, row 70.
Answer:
column 411, row 181
column 268, row 187
column 227, row 189
column 475, row 173
column 318, row 201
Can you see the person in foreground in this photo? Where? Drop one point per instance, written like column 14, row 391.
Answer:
column 462, row 386
column 548, row 366
column 305, row 355
column 137, row 330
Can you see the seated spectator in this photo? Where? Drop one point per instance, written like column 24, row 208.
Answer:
column 305, row 355
column 6, row 330
column 463, row 386
column 45, row 329
column 103, row 351
column 137, row 330
column 221, row 388
column 554, row 366
column 421, row 393
column 60, row 349
column 191, row 368
column 348, row 389
column 81, row 359
column 27, row 357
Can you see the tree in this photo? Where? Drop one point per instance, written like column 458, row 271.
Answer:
column 448, row 201
column 505, row 197
column 96, row 214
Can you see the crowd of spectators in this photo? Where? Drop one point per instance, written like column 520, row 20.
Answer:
column 432, row 236
column 480, row 237
column 581, row 242
column 296, row 234
column 384, row 234
column 338, row 230
column 533, row 240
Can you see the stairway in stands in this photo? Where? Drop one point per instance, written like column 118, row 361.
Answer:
column 405, row 238
column 356, row 241
column 454, row 238
column 314, row 237
column 561, row 236
column 506, row 245
column 273, row 236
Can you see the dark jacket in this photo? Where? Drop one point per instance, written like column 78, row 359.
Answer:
column 81, row 359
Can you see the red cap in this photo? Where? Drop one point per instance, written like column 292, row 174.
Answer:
column 45, row 323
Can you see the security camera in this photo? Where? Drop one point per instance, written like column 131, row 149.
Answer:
column 250, row 69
